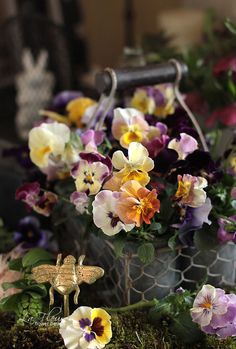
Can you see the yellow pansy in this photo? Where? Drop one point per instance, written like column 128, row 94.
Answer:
column 136, row 167
column 47, row 140
column 76, row 109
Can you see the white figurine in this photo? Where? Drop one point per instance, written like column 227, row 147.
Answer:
column 34, row 91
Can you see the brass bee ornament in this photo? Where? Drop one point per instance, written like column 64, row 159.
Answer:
column 65, row 277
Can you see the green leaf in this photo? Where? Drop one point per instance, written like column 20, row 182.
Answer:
column 146, row 253
column 183, row 327
column 206, row 240
column 15, row 264
column 231, row 26
column 34, row 256
column 157, row 313
column 172, row 241
column 37, row 290
column 22, row 284
column 10, row 303
column 155, row 226
column 119, row 244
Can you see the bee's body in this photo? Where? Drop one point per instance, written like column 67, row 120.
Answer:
column 66, row 277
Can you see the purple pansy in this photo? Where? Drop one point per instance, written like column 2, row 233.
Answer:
column 227, row 229
column 80, row 200
column 91, row 139
column 41, row 202
column 194, row 220
column 28, row 193
column 96, row 157
column 209, row 302
column 30, row 234
column 63, row 98
column 215, row 311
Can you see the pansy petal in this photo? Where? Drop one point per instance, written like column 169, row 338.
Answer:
column 119, row 160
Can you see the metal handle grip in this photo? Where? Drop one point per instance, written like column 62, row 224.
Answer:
column 139, row 76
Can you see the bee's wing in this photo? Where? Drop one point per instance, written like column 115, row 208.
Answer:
column 88, row 274
column 44, row 273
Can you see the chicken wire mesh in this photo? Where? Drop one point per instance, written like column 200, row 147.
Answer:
column 127, row 280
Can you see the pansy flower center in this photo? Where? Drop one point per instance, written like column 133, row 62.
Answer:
column 114, row 219
column 44, row 150
column 97, row 326
column 184, row 189
column 144, row 206
column 88, row 177
column 133, row 134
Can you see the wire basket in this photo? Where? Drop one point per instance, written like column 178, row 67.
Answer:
column 127, row 280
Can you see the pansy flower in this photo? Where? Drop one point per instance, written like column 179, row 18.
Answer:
column 28, row 193
column 77, row 108
column 193, row 220
column 41, row 202
column 157, row 100
column 30, row 234
column 227, row 229
column 184, row 145
column 46, row 203
column 137, row 204
column 86, row 328
column 209, row 301
column 80, row 200
column 143, row 102
column 190, row 190
column 91, row 139
column 89, row 177
column 105, row 214
column 135, row 167
column 129, row 126
column 47, row 140
column 156, row 139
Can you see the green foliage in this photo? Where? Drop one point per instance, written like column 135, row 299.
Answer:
column 175, row 310
column 32, row 296
column 35, row 256
column 206, row 239
column 146, row 252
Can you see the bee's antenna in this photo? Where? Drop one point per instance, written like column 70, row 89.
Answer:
column 81, row 259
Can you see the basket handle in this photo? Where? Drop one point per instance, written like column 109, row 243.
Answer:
column 138, row 76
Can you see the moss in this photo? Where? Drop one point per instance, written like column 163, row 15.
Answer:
column 130, row 331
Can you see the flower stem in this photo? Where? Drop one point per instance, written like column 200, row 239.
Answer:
column 139, row 305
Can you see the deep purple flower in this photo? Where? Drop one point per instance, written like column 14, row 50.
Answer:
column 195, row 164
column 178, row 123
column 223, row 234
column 194, row 220
column 63, row 98
column 96, row 157
column 165, row 160
column 30, row 234
column 28, row 193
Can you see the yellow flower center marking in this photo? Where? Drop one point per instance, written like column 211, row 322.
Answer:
column 183, row 189
column 206, row 305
